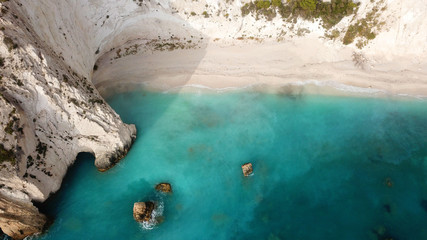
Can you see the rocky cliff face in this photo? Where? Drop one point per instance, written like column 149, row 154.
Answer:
column 51, row 111
column 20, row 218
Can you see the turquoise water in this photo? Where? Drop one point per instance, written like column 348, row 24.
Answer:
column 324, row 168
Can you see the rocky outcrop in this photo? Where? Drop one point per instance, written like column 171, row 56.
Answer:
column 142, row 211
column 423, row 204
column 164, row 187
column 50, row 111
column 247, row 169
column 113, row 158
column 19, row 219
column 50, row 108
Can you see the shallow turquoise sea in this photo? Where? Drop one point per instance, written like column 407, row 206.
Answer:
column 325, row 167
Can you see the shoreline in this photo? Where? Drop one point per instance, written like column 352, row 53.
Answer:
column 290, row 89
column 319, row 68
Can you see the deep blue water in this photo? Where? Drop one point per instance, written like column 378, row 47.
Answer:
column 324, row 168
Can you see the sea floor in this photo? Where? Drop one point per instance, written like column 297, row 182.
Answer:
column 325, row 167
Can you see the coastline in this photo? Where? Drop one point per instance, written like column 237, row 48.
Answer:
column 309, row 66
column 292, row 90
column 52, row 111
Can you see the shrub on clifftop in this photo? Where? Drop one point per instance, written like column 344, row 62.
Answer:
column 330, row 12
column 309, row 5
column 262, row 4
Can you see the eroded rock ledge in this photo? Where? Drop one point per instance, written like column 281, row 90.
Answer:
column 50, row 110
column 20, row 218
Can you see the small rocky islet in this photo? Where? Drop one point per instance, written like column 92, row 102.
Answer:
column 247, row 169
column 143, row 211
column 164, row 187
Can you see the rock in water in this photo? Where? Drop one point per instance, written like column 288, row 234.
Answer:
column 164, row 187
column 142, row 211
column 247, row 169
column 424, row 204
column 388, row 182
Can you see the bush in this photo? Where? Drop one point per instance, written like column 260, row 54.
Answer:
column 9, row 43
column 276, row 3
column 362, row 28
column 330, row 13
column 248, row 8
column 262, row 8
column 260, row 4
column 333, row 35
column 7, row 155
column 371, row 35
column 350, row 35
column 309, row 5
column 9, row 127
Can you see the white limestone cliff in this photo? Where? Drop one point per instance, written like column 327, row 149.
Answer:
column 51, row 109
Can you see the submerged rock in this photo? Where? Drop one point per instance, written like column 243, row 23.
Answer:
column 388, row 182
column 387, row 207
column 424, row 204
column 382, row 233
column 164, row 187
column 160, row 219
column 142, row 211
column 247, row 169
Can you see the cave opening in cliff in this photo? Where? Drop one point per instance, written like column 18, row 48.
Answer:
column 52, row 205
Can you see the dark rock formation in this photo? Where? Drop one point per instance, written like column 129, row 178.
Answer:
column 142, row 211
column 164, row 187
column 19, row 219
column 115, row 157
column 388, row 182
column 247, row 169
column 424, row 204
column 387, row 207
column 382, row 233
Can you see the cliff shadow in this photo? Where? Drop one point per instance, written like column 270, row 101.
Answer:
column 162, row 56
column 52, row 206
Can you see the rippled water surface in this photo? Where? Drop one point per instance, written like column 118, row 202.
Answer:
column 324, row 168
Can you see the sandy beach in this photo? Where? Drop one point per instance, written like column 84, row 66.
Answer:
column 309, row 62
column 241, row 52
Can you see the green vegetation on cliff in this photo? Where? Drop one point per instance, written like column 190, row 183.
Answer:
column 330, row 12
column 366, row 27
column 6, row 155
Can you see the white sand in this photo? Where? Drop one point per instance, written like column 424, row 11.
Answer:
column 395, row 62
column 308, row 61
